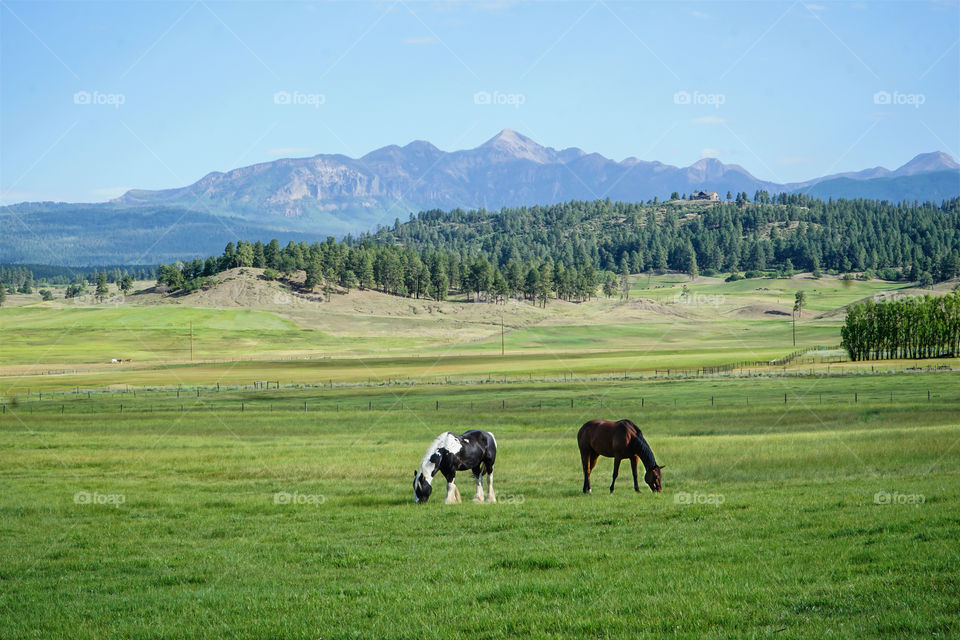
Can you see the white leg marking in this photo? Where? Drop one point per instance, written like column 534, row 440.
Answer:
column 479, row 496
column 451, row 493
column 490, row 495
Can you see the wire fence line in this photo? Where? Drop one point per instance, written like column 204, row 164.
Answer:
column 759, row 399
column 731, row 371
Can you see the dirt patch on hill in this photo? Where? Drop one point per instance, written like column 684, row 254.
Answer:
column 235, row 288
column 761, row 311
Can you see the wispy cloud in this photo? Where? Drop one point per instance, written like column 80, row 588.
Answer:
column 421, row 40
column 700, row 14
column 710, row 153
column 290, row 151
column 709, row 120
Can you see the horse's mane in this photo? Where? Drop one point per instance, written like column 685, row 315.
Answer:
column 646, row 453
column 439, row 441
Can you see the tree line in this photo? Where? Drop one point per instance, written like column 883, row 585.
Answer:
column 398, row 270
column 571, row 250
column 927, row 327
column 785, row 232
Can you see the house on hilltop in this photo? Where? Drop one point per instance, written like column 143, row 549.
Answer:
column 712, row 196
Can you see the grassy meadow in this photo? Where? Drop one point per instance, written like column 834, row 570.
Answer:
column 822, row 517
column 164, row 498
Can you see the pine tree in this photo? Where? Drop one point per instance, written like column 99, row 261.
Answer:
column 101, row 292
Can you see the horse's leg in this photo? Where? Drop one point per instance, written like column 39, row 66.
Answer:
column 633, row 466
column 587, row 459
column 453, row 494
column 491, row 497
column 478, row 477
column 616, row 471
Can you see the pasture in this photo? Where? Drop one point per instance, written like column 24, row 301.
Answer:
column 792, row 507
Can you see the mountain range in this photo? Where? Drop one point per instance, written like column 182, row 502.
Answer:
column 333, row 194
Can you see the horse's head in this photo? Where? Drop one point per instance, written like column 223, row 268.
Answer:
column 422, row 487
column 654, row 479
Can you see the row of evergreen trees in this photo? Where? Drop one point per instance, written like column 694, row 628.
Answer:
column 786, row 232
column 927, row 327
column 403, row 271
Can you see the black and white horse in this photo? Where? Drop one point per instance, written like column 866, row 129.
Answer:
column 475, row 450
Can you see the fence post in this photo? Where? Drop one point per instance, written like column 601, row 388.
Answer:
column 438, row 406
column 304, row 406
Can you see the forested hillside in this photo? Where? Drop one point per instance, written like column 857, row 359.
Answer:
column 794, row 232
column 571, row 249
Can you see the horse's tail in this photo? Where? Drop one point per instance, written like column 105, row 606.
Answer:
column 491, row 457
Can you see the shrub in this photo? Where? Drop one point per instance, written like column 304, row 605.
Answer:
column 270, row 274
column 733, row 277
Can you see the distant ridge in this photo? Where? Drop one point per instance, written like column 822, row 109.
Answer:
column 338, row 194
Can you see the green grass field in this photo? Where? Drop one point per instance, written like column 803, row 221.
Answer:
column 157, row 522
column 164, row 498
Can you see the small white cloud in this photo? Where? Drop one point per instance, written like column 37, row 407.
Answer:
column 815, row 7
column 290, row 151
column 710, row 153
column 700, row 14
column 709, row 120
column 426, row 40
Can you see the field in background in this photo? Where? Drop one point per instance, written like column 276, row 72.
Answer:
column 831, row 515
column 246, row 329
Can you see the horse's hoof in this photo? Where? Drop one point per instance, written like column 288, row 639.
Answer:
column 478, row 500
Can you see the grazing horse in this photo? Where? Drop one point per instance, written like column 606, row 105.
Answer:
column 617, row 440
column 448, row 453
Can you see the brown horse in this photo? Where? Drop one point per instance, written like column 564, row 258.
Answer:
column 617, row 440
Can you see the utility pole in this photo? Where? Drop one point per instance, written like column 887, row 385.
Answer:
column 191, row 341
column 501, row 334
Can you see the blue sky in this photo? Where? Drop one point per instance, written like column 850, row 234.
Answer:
column 101, row 97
